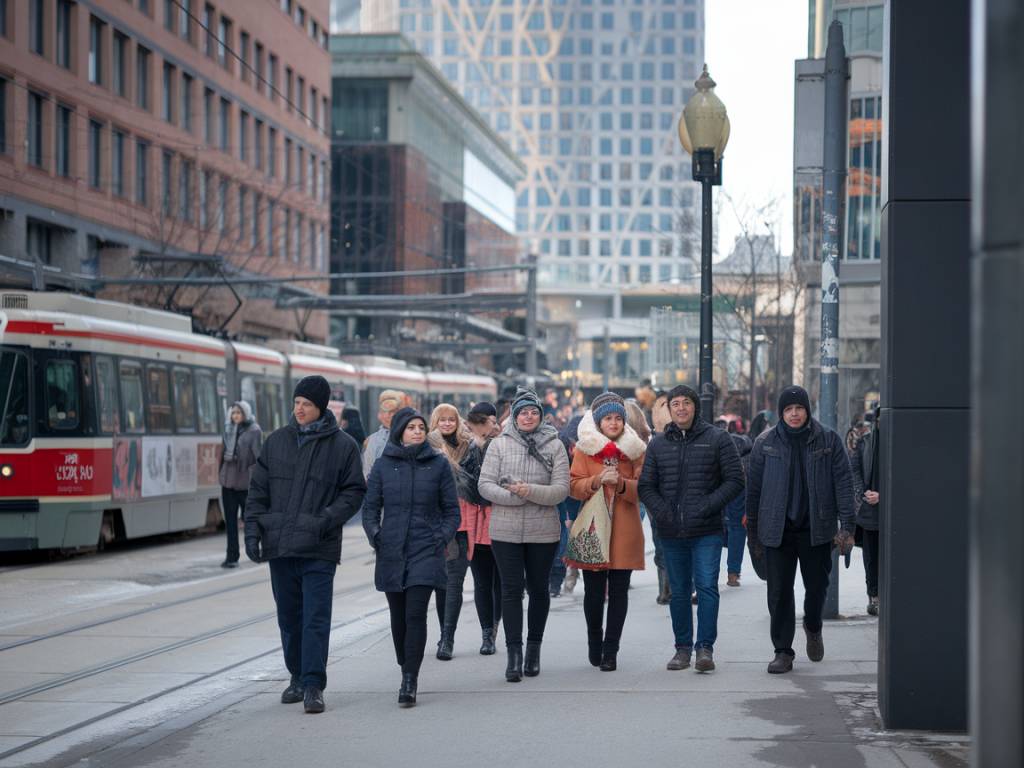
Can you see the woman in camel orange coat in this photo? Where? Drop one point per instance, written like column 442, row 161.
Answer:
column 609, row 456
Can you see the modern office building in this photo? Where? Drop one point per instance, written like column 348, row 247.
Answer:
column 860, row 347
column 588, row 94
column 164, row 139
column 419, row 182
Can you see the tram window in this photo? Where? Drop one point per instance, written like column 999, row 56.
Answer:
column 184, row 401
column 206, row 400
column 222, row 395
column 14, row 394
column 268, row 398
column 106, row 388
column 62, row 394
column 158, row 399
column 249, row 395
column 131, row 398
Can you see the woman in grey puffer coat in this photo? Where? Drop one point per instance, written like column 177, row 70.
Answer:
column 525, row 475
column 242, row 441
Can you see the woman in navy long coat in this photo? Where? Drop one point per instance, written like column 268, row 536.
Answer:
column 410, row 513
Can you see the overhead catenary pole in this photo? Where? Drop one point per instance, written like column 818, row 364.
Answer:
column 834, row 166
column 531, row 316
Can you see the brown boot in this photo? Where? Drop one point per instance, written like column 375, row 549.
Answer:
column 734, row 580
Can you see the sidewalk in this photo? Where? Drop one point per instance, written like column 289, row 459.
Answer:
column 572, row 715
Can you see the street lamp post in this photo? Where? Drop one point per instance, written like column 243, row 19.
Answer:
column 704, row 132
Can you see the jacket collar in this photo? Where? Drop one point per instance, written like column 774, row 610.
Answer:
column 325, row 425
column 544, row 433
column 699, row 426
column 817, row 432
column 396, row 451
column 591, row 441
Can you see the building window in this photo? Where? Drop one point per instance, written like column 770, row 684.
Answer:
column 63, row 32
column 141, row 172
column 254, row 234
column 243, row 198
column 167, row 110
column 117, row 65
column 209, row 16
column 287, row 161
column 95, row 154
column 167, row 183
column 170, row 15
column 208, row 116
column 243, row 134
column 63, row 141
column 287, row 233
column 222, row 201
column 36, row 26
column 223, row 41
column 271, row 152
column 259, row 67
column 117, row 163
column 225, row 124
column 186, row 102
column 257, row 142
column 185, row 19
column 245, row 45
column 185, row 202
column 96, row 50
column 142, row 58
column 272, row 77
column 35, row 129
column 271, row 245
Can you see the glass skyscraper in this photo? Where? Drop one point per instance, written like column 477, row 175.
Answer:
column 588, row 93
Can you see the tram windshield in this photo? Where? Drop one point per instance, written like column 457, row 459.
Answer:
column 14, row 423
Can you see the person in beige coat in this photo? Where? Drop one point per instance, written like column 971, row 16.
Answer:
column 525, row 475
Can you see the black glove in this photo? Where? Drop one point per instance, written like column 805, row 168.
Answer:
column 252, row 549
column 843, row 541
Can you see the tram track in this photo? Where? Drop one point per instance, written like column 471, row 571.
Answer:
column 128, row 615
column 23, row 693
column 71, row 677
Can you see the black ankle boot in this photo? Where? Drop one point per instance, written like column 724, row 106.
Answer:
column 487, row 645
column 531, row 665
column 407, row 693
column 608, row 658
column 594, row 640
column 514, row 670
column 446, row 647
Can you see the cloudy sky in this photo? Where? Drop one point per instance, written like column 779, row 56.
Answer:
column 751, row 46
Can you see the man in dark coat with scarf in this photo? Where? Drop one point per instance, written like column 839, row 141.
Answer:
column 307, row 483
column 799, row 490
column 864, row 461
column 691, row 472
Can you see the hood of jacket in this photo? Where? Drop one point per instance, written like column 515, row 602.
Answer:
column 592, row 441
column 421, row 452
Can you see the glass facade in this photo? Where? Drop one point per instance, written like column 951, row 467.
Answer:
column 587, row 93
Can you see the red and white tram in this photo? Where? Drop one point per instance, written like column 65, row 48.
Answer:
column 112, row 414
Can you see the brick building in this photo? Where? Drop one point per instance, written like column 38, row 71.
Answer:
column 164, row 138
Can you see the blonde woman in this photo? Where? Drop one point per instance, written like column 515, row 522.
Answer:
column 450, row 437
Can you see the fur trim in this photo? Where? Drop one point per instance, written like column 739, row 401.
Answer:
column 592, row 442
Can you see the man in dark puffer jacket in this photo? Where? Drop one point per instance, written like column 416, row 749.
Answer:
column 307, row 483
column 799, row 484
column 692, row 471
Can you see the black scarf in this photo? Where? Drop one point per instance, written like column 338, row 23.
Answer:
column 797, row 499
column 532, row 450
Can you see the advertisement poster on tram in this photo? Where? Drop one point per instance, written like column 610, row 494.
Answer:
column 168, row 466
column 208, row 464
column 127, row 474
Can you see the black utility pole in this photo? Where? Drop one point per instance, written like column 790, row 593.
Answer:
column 709, row 174
column 831, row 246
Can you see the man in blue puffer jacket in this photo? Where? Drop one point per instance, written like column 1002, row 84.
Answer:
column 799, row 489
column 691, row 472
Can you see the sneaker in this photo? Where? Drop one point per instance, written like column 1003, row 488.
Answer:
column 705, row 660
column 815, row 646
column 294, row 693
column 873, row 606
column 680, row 661
column 734, row 580
column 781, row 664
column 313, row 701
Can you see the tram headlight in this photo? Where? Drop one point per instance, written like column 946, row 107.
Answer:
column 6, row 471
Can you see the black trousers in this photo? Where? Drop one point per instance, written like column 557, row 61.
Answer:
column 815, row 569
column 456, row 570
column 304, row 594
column 871, row 555
column 409, row 626
column 520, row 564
column 486, row 586
column 233, row 504
column 594, row 584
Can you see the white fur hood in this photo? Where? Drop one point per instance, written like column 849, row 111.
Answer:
column 592, row 442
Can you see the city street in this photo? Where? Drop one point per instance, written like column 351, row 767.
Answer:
column 155, row 656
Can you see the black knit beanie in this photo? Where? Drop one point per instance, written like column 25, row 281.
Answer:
column 315, row 389
column 794, row 395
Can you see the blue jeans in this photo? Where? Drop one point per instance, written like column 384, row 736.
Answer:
column 304, row 591
column 692, row 562
column 735, row 533
column 567, row 511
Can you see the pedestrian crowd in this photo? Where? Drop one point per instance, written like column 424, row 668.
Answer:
column 526, row 495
